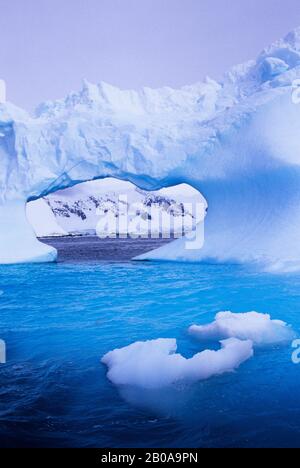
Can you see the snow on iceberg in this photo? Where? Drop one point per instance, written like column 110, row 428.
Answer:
column 259, row 328
column 155, row 364
column 42, row 219
column 236, row 141
column 18, row 242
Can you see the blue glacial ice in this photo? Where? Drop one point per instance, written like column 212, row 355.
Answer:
column 236, row 141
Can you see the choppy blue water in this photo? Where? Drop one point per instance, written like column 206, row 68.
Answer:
column 58, row 320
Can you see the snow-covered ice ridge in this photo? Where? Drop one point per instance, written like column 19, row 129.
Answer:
column 236, row 141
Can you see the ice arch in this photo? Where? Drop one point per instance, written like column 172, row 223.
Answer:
column 237, row 142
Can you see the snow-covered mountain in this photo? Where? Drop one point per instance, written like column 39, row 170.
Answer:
column 96, row 207
column 236, row 141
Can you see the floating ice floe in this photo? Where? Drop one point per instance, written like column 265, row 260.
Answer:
column 259, row 328
column 156, row 364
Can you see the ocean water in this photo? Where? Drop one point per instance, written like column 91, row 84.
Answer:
column 58, row 320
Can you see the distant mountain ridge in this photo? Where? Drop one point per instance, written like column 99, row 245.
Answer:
column 79, row 210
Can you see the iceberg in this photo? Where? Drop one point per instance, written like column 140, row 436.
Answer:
column 156, row 364
column 236, row 141
column 259, row 328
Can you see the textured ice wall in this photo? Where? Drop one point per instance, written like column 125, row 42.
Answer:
column 236, row 141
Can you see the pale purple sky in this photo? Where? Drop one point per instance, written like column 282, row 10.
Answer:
column 48, row 46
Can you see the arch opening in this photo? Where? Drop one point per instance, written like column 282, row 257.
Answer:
column 110, row 209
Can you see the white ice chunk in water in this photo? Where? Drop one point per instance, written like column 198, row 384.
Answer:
column 259, row 328
column 155, row 364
